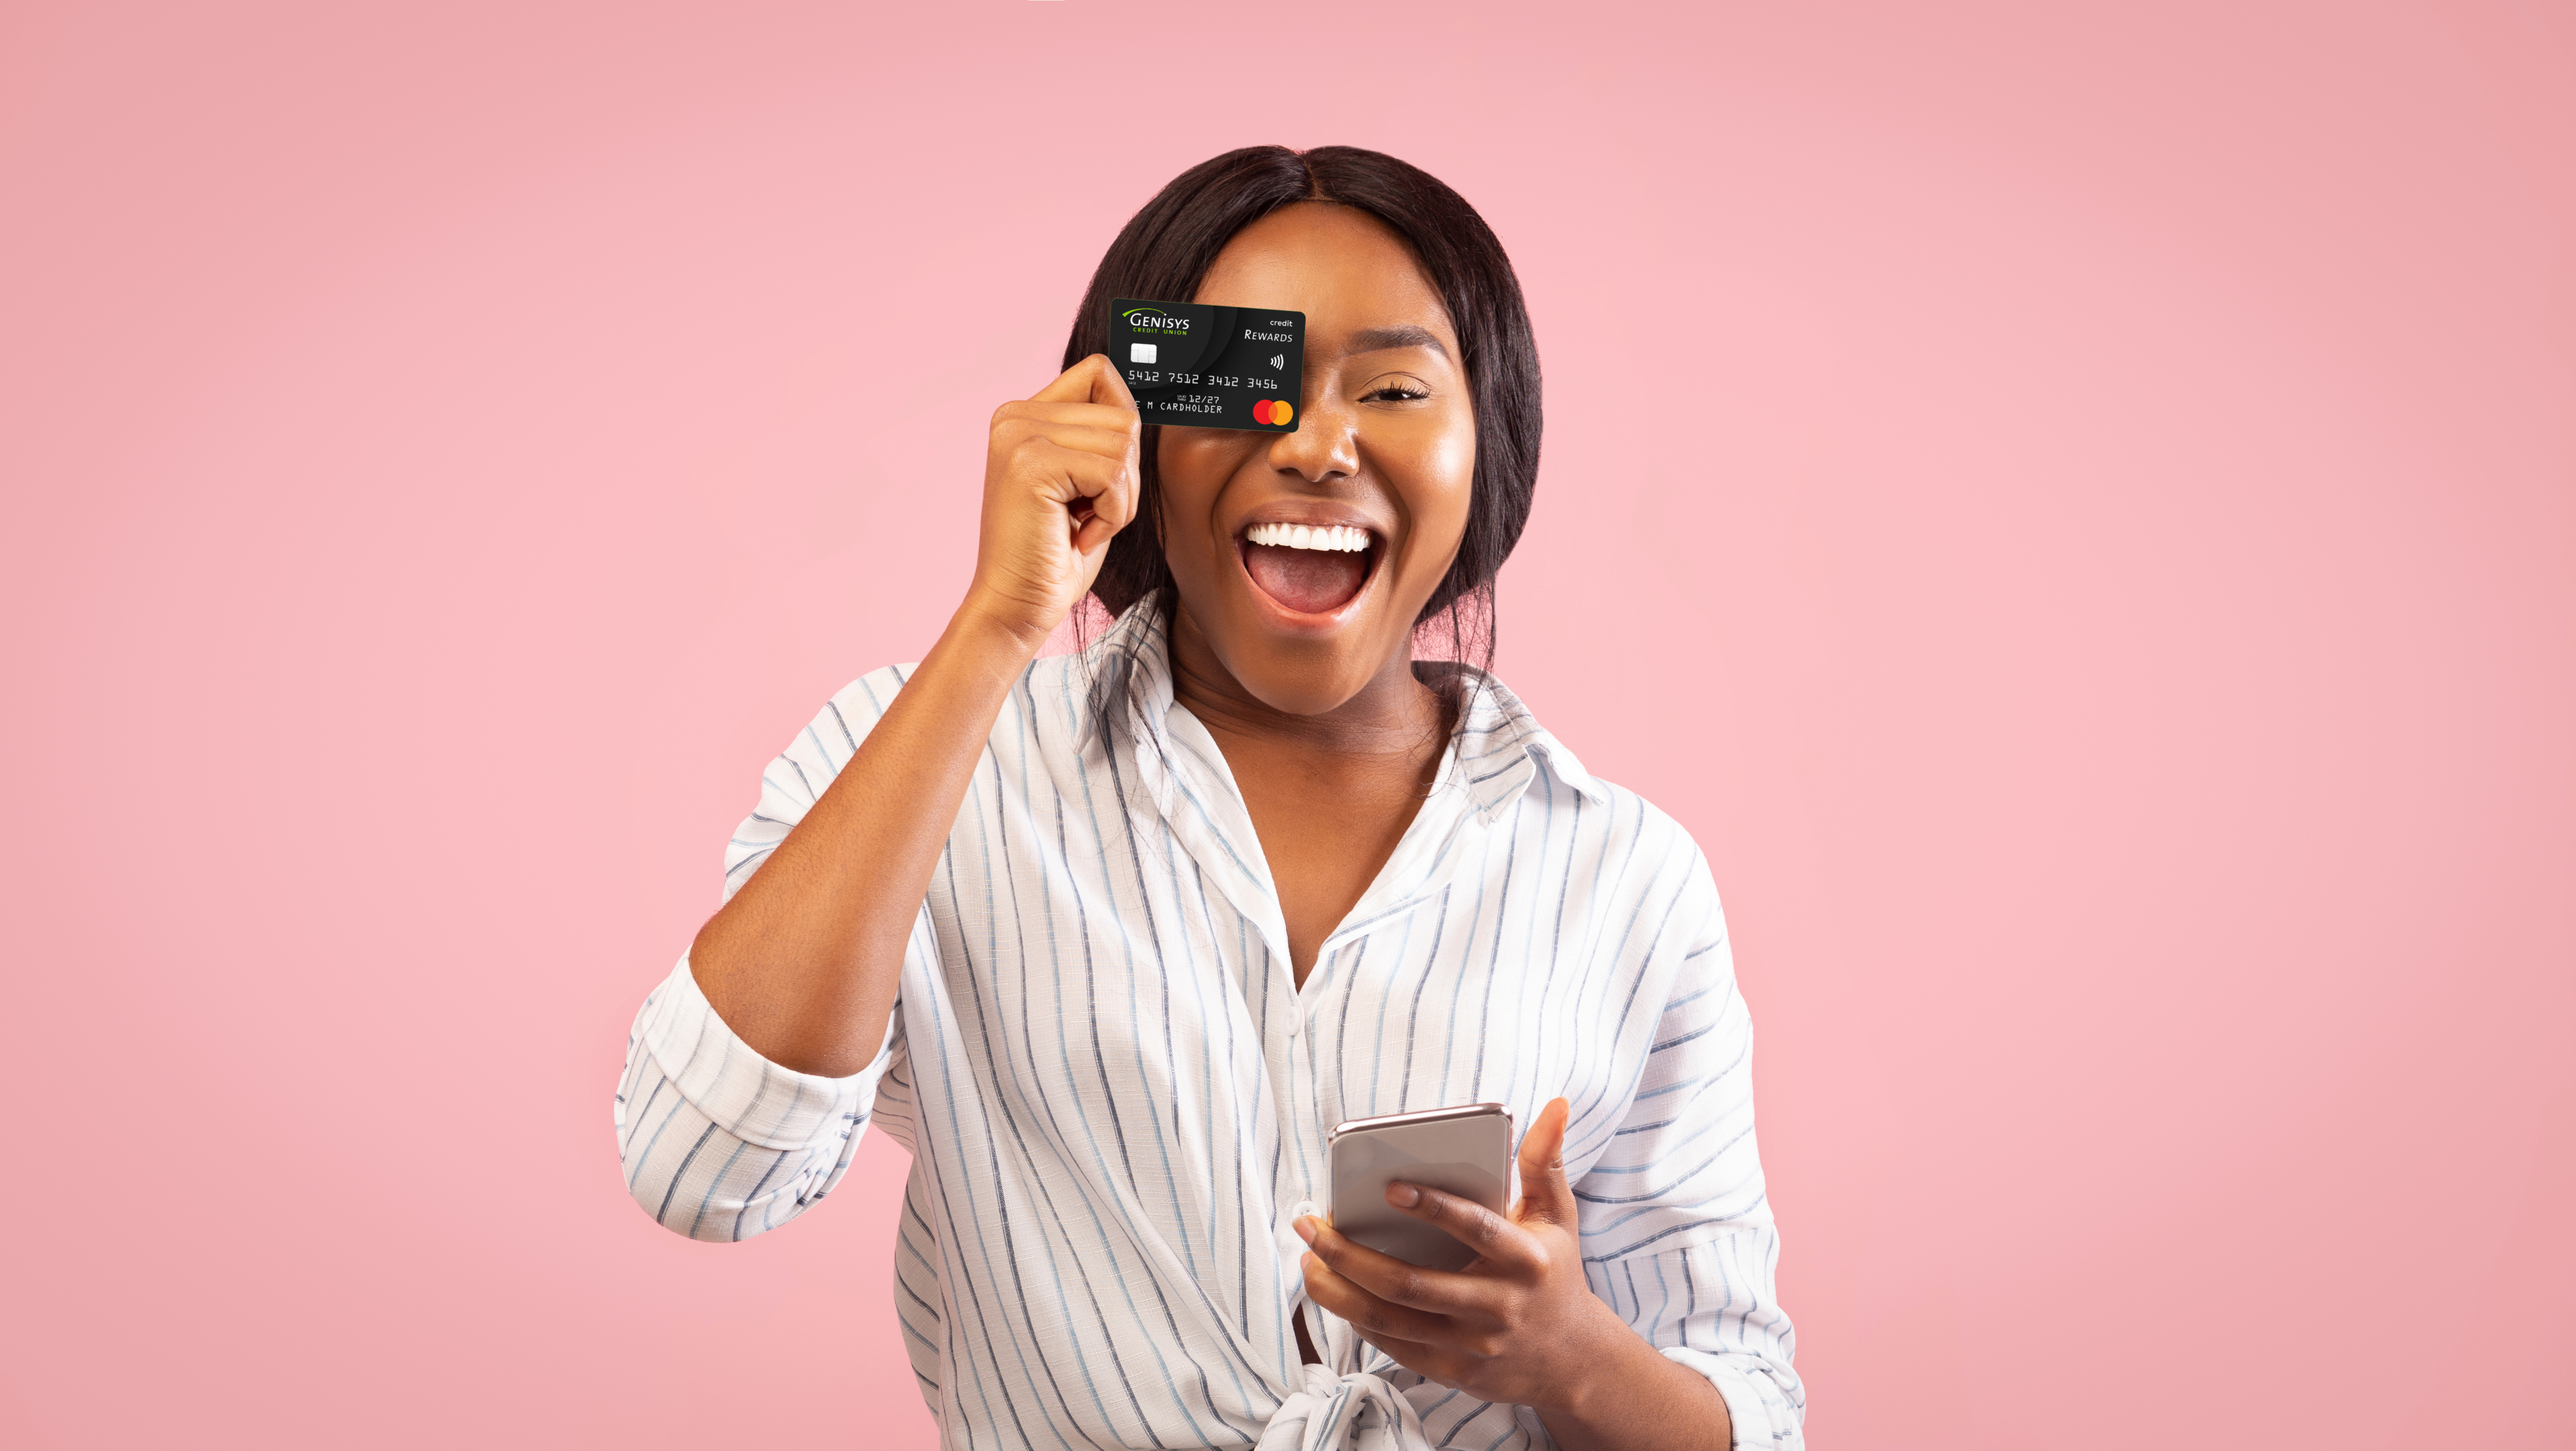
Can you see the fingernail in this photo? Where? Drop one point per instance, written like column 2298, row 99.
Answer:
column 1403, row 1196
column 1305, row 1227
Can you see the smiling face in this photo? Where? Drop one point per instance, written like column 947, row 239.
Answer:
column 1302, row 558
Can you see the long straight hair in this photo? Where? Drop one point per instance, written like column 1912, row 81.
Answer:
column 1165, row 251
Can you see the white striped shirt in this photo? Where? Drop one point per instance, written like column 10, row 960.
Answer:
column 1116, row 1096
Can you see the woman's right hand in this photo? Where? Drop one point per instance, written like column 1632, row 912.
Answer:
column 1059, row 480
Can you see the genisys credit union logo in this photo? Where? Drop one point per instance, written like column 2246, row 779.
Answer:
column 1155, row 320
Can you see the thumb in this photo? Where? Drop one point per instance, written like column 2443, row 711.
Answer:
column 1108, row 385
column 1545, row 1194
column 1094, row 379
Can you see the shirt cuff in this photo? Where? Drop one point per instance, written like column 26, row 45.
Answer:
column 744, row 1094
column 1763, row 1418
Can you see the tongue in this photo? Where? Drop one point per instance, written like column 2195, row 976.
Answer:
column 1309, row 581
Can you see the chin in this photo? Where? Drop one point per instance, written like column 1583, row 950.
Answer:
column 1303, row 683
column 1326, row 625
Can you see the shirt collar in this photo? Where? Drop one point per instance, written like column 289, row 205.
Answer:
column 1167, row 763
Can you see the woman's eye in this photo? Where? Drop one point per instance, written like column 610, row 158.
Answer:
column 1396, row 390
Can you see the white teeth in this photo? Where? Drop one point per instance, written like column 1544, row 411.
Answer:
column 1338, row 538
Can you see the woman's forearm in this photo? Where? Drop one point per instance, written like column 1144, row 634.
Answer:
column 803, row 964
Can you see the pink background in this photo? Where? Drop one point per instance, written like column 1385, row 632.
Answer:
column 2077, row 512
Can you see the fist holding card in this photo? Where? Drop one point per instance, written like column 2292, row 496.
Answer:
column 1059, row 482
column 1060, row 476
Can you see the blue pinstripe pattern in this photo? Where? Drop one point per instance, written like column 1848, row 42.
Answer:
column 1116, row 1097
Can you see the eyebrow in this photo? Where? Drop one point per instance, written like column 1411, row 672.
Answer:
column 1379, row 339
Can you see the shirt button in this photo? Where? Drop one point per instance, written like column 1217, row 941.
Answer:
column 1292, row 1247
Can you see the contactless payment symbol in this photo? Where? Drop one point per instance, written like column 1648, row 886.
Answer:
column 1194, row 365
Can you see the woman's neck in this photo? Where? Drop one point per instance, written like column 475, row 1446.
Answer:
column 1330, row 795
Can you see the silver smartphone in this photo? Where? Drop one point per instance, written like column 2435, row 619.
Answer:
column 1466, row 1151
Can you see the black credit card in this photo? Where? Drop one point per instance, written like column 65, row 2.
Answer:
column 1210, row 367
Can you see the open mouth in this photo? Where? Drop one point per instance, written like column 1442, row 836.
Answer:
column 1309, row 569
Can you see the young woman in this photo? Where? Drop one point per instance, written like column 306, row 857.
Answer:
column 1110, row 941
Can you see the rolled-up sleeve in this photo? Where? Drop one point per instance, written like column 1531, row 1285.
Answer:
column 1676, row 1221
column 717, row 1142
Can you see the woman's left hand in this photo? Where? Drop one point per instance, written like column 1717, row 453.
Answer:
column 1518, row 1325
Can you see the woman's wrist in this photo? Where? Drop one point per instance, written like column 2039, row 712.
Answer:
column 1604, row 1362
column 990, row 627
column 1628, row 1393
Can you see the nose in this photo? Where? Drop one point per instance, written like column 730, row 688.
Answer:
column 1325, row 446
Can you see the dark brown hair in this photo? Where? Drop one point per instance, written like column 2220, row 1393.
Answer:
column 1165, row 251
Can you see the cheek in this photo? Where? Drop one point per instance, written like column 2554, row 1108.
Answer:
column 1439, row 483
column 1188, row 479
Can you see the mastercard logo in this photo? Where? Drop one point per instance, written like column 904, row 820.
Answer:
column 1274, row 412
